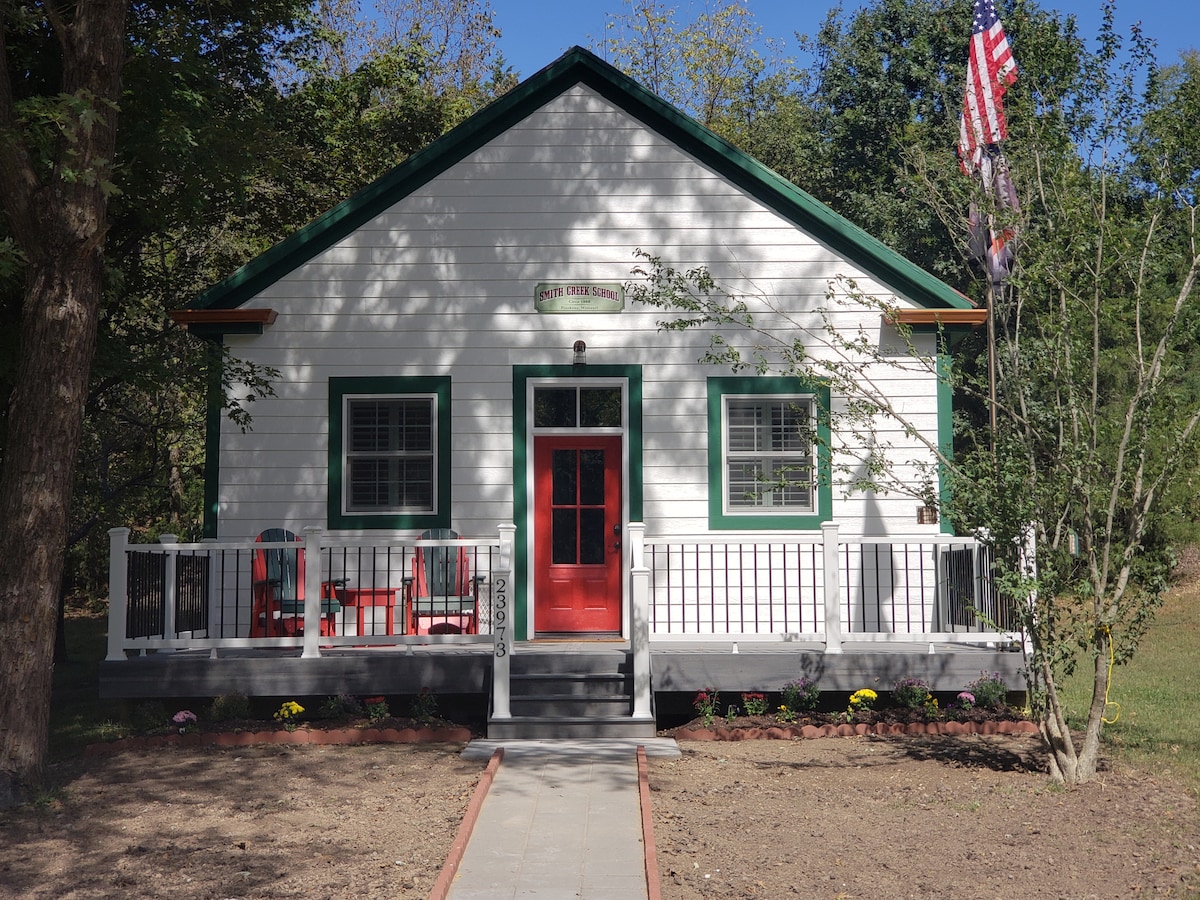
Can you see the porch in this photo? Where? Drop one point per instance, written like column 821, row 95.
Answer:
column 735, row 614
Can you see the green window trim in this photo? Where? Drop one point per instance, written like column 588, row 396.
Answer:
column 718, row 518
column 388, row 386
column 945, row 409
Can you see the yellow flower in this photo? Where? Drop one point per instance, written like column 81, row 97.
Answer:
column 289, row 710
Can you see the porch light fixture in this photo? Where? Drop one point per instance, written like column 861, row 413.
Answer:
column 580, row 349
column 927, row 515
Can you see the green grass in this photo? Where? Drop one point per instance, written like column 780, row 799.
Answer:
column 1156, row 728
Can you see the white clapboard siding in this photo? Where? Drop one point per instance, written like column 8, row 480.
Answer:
column 442, row 283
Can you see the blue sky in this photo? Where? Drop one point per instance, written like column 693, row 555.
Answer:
column 536, row 32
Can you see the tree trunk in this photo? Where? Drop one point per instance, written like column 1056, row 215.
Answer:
column 57, row 211
column 1069, row 763
column 1089, row 753
column 1055, row 734
column 46, row 418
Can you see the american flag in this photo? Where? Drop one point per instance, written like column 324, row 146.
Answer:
column 990, row 70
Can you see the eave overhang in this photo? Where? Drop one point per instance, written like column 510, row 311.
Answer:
column 210, row 322
column 946, row 318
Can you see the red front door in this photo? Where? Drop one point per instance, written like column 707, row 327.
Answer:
column 577, row 534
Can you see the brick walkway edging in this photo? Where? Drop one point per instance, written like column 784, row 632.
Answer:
column 650, row 850
column 445, row 878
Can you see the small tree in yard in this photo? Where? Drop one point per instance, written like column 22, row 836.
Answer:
column 1098, row 400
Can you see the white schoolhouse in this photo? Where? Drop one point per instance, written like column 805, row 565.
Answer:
column 463, row 371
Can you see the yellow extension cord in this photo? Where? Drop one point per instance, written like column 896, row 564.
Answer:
column 1108, row 681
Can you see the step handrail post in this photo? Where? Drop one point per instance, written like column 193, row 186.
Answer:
column 502, row 627
column 639, row 632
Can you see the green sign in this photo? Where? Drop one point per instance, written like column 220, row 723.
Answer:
column 579, row 297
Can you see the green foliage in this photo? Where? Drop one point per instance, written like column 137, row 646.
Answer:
column 1098, row 401
column 1092, row 466
column 989, row 691
column 801, row 695
column 230, row 707
column 706, row 703
column 424, row 707
column 912, row 693
column 341, row 706
column 754, row 703
column 149, row 716
column 219, row 156
column 708, row 66
column 377, row 708
column 861, row 700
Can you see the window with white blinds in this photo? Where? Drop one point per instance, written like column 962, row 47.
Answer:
column 390, row 447
column 768, row 454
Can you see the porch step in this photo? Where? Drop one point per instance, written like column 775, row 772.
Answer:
column 578, row 684
column 532, row 728
column 571, row 695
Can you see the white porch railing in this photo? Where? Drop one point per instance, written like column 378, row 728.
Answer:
column 818, row 588
column 204, row 596
column 785, row 587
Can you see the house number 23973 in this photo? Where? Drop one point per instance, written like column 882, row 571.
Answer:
column 500, row 614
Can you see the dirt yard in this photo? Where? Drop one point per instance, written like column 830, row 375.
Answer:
column 875, row 817
column 268, row 821
column 832, row 818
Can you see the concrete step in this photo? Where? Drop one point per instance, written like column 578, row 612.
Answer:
column 563, row 727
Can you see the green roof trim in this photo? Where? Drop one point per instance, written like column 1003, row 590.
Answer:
column 579, row 66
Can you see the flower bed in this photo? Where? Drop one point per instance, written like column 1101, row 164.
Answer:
column 230, row 721
column 307, row 734
column 913, row 710
column 748, row 729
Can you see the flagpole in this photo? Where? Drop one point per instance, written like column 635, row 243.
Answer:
column 982, row 129
column 991, row 342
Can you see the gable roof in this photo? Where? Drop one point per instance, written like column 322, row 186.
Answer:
column 579, row 66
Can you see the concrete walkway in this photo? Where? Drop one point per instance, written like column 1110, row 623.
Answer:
column 561, row 819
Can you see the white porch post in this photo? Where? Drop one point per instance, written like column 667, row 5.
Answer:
column 833, row 588
column 118, row 591
column 312, row 592
column 169, row 582
column 502, row 629
column 639, row 632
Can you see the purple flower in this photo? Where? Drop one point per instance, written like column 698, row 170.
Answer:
column 184, row 717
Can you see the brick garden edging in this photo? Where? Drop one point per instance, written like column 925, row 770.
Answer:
column 329, row 737
column 789, row 732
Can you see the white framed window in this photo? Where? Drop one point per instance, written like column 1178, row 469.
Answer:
column 389, row 452
column 768, row 446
